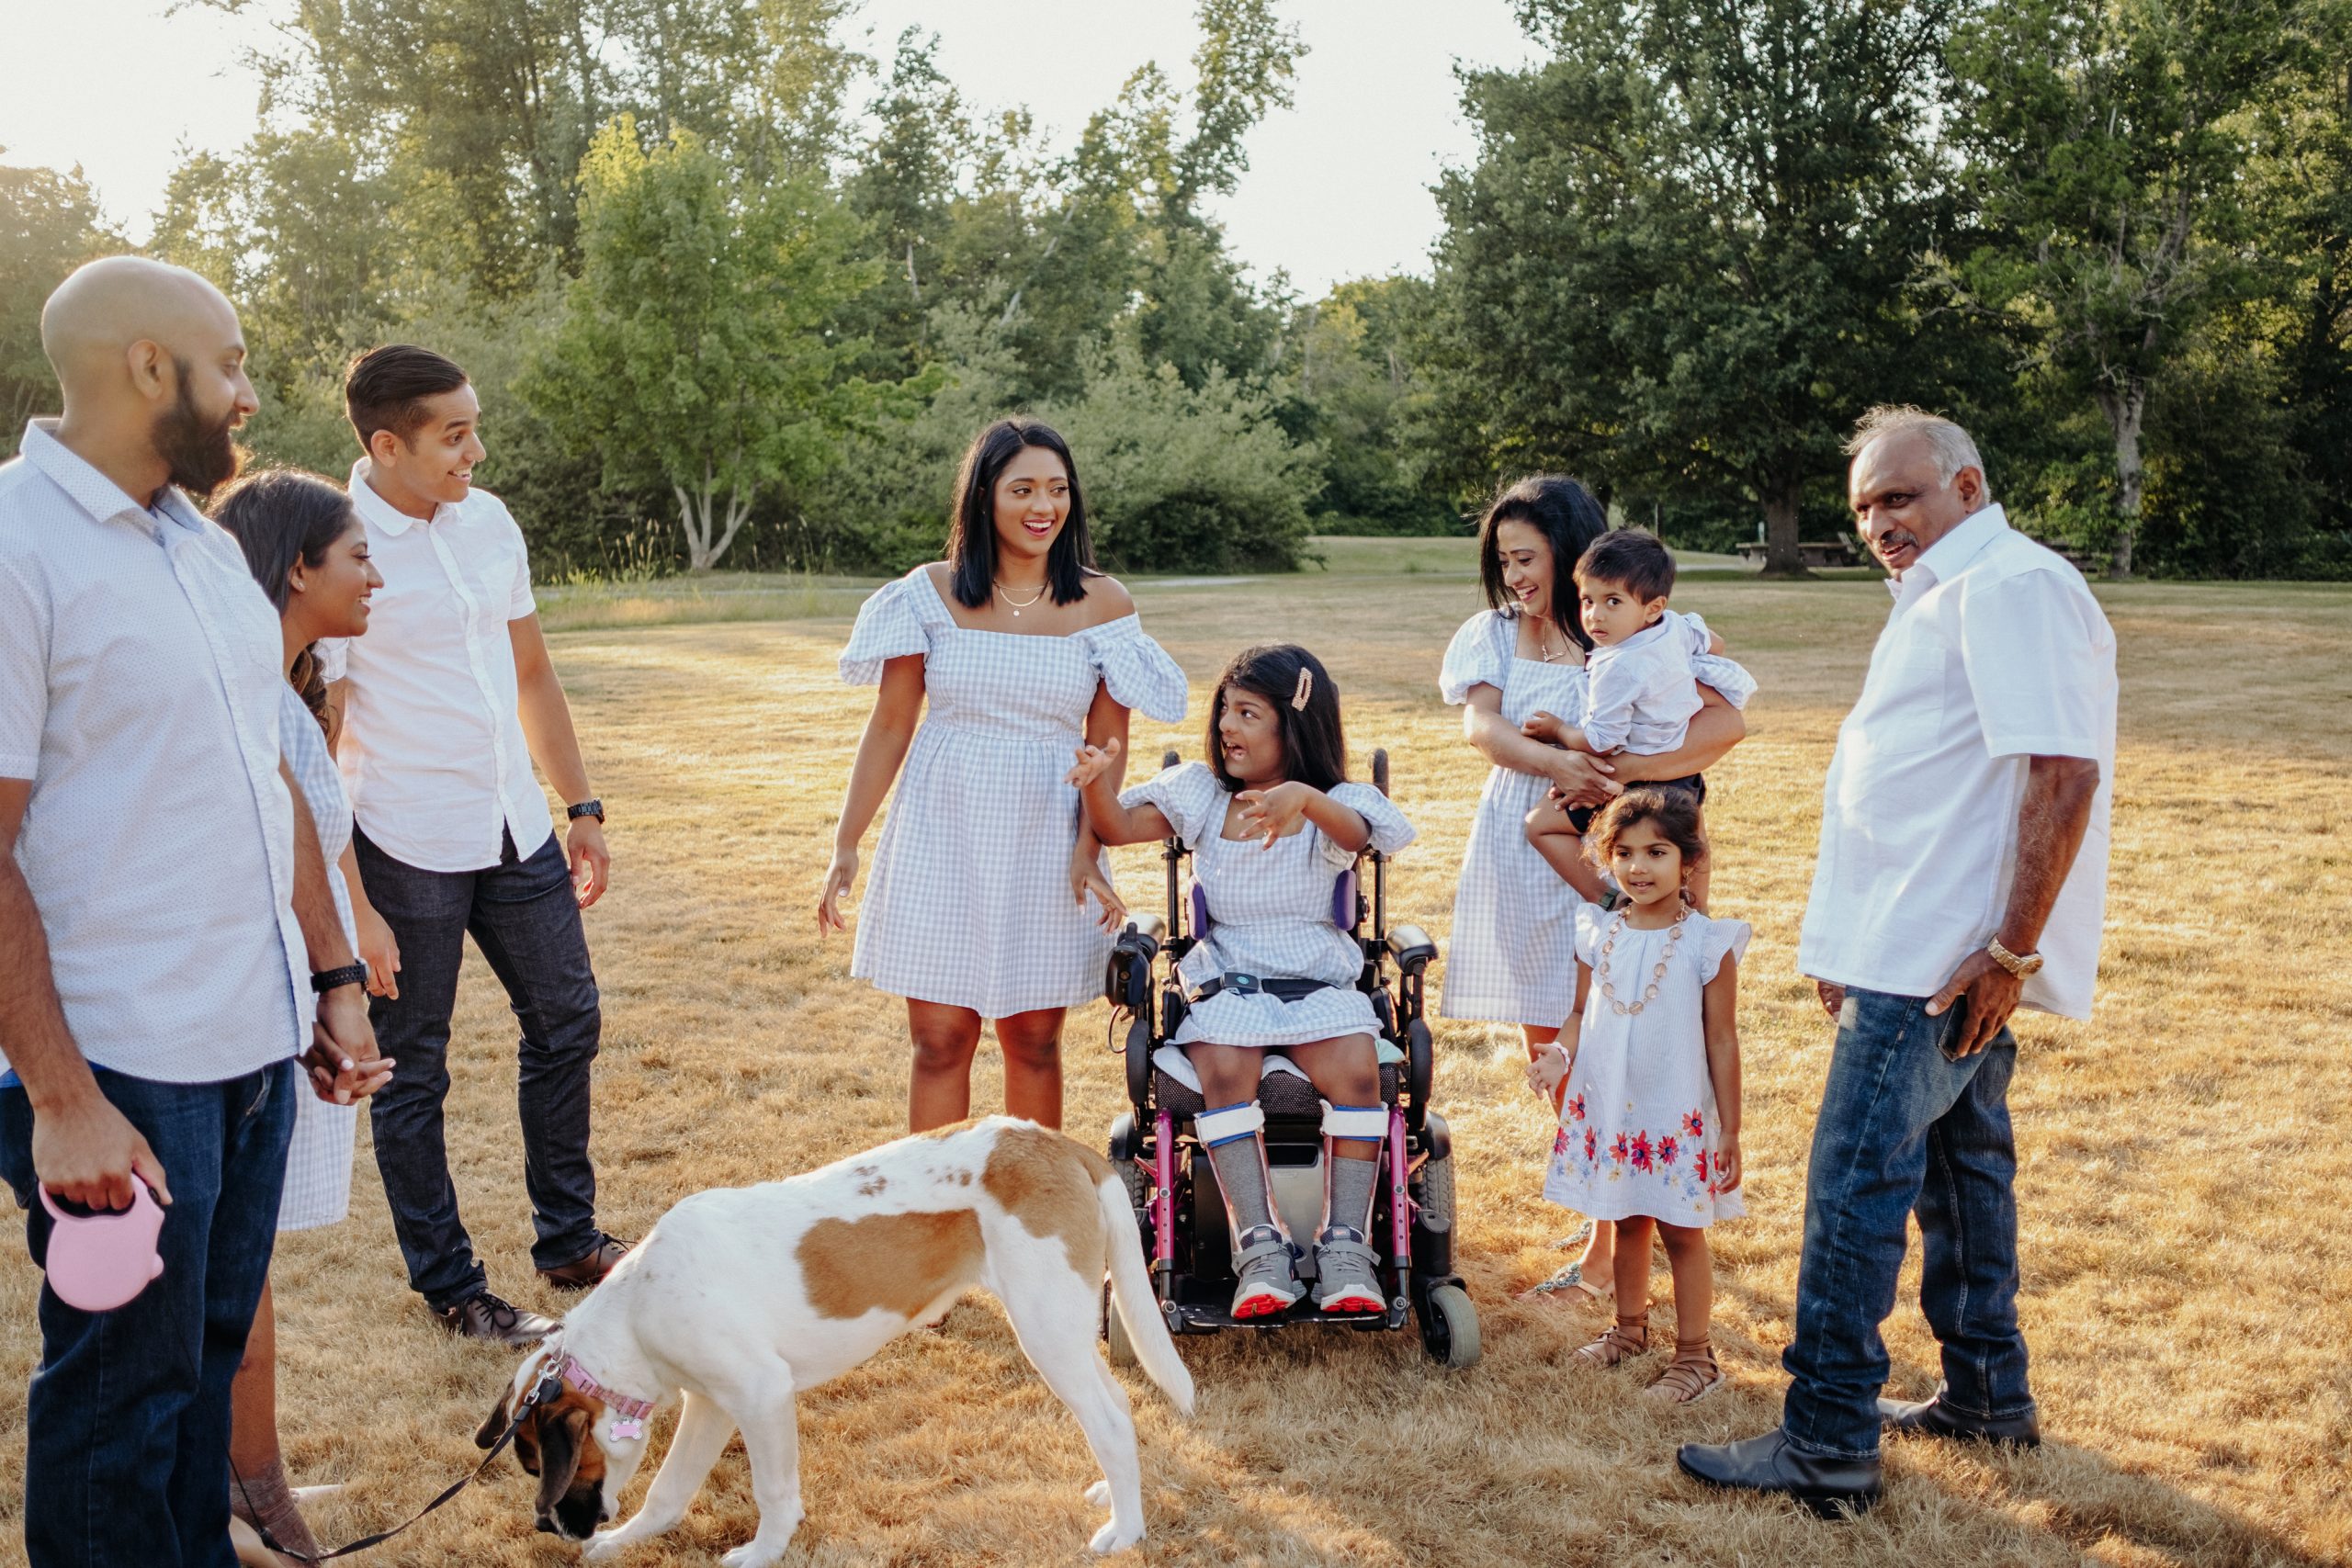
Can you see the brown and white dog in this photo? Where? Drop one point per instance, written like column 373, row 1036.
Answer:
column 741, row 1298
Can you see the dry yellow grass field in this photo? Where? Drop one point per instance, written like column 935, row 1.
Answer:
column 2187, row 1246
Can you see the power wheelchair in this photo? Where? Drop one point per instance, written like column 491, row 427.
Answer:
column 1173, row 1184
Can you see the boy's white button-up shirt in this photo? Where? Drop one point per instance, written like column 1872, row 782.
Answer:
column 432, row 750
column 141, row 686
column 1995, row 652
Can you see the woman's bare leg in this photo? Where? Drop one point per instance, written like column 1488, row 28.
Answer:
column 1032, row 1043
column 939, row 1090
column 257, row 1489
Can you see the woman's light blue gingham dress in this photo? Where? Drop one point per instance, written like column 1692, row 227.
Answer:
column 968, row 903
column 318, row 1160
column 1270, row 914
column 1511, row 958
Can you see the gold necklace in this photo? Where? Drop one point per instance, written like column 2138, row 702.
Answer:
column 1657, row 976
column 1017, row 605
column 1548, row 655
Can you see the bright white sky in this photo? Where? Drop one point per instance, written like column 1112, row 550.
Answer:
column 1337, row 187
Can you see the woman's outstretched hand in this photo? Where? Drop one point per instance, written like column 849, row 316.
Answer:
column 838, row 876
column 1086, row 877
column 1270, row 813
column 1092, row 762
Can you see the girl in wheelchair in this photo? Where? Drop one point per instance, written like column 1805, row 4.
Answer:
column 1272, row 823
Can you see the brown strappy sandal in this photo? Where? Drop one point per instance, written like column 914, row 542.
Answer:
column 1690, row 1377
column 1626, row 1338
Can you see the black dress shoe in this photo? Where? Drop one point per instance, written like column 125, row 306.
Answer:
column 1933, row 1420
column 487, row 1318
column 1769, row 1463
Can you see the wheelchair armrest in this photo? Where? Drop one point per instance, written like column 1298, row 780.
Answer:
column 1126, row 976
column 1411, row 946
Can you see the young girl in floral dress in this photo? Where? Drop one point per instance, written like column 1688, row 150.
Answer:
column 1647, row 1079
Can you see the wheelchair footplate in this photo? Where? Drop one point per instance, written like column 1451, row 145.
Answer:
column 1206, row 1307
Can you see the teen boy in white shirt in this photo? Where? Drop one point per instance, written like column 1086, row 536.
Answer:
column 447, row 703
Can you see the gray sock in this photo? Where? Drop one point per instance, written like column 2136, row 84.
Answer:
column 1241, row 1172
column 1351, row 1184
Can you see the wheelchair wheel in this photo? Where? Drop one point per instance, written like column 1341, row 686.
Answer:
column 1450, row 1326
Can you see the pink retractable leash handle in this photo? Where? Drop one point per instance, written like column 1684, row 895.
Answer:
column 98, row 1262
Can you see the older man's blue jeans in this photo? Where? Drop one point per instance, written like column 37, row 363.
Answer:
column 1905, row 1127
column 126, row 1421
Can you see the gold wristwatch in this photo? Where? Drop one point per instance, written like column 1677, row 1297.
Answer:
column 2021, row 967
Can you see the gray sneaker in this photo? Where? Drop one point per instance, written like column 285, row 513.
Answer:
column 1347, row 1273
column 1266, row 1274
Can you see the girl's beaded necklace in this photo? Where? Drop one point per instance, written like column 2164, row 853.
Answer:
column 1657, row 975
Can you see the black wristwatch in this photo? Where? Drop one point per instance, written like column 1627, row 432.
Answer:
column 585, row 809
column 325, row 980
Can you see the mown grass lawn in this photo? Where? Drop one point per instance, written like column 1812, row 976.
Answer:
column 2187, row 1245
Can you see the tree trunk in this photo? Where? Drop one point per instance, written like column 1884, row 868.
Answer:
column 2123, row 407
column 708, row 529
column 1781, row 557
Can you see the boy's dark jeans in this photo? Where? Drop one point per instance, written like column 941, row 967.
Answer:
column 1904, row 1127
column 525, row 920
column 126, row 1421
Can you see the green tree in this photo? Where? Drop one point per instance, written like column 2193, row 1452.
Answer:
column 1352, row 361
column 1686, row 255
column 1181, row 478
column 48, row 225
column 2108, row 138
column 696, row 354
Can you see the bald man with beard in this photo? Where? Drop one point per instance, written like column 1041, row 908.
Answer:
column 169, row 944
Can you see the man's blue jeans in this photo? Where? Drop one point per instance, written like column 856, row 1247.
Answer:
column 1904, row 1127
column 126, row 1422
column 524, row 918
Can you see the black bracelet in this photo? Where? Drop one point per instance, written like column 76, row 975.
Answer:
column 327, row 980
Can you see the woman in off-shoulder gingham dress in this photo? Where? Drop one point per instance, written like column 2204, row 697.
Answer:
column 968, row 903
column 988, row 901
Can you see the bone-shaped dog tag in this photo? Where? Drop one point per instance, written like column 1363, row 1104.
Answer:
column 626, row 1428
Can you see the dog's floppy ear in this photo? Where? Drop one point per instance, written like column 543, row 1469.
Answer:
column 494, row 1428
column 561, row 1439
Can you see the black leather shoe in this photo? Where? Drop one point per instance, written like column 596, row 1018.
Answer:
column 590, row 1267
column 499, row 1322
column 1930, row 1418
column 1769, row 1463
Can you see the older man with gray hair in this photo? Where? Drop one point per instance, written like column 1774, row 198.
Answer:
column 1962, row 873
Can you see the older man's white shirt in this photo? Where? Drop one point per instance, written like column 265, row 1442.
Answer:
column 141, row 682
column 1995, row 653
column 433, row 751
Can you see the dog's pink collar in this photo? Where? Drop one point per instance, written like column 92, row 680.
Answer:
column 620, row 1403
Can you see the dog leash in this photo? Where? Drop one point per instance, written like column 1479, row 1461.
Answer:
column 547, row 1388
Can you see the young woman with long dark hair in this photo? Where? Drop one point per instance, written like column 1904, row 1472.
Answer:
column 308, row 552
column 988, row 900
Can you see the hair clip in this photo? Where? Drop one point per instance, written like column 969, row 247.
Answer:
column 1306, row 687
